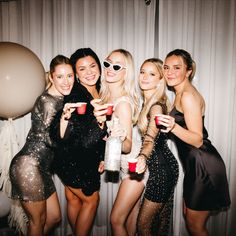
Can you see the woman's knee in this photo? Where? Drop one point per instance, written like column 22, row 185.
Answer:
column 116, row 218
column 195, row 225
column 55, row 218
column 92, row 200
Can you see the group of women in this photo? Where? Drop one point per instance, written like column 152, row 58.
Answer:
column 73, row 145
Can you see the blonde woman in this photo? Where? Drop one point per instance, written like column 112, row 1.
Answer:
column 118, row 87
column 155, row 213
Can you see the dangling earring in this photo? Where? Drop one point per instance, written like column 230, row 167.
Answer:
column 77, row 79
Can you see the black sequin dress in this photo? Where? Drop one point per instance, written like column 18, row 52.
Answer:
column 205, row 182
column 163, row 171
column 79, row 153
column 156, row 210
column 30, row 173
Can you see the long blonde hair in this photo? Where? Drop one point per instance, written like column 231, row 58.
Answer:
column 129, row 86
column 158, row 97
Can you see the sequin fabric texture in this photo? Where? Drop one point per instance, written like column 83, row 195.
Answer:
column 80, row 151
column 30, row 173
column 163, row 172
column 156, row 210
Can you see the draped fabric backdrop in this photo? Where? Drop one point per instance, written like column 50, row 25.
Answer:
column 205, row 28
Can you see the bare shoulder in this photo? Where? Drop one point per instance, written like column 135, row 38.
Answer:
column 192, row 99
column 123, row 107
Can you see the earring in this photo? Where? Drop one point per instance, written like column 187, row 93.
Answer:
column 77, row 79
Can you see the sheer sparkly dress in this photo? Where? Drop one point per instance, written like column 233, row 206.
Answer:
column 205, row 182
column 156, row 209
column 30, row 169
column 80, row 151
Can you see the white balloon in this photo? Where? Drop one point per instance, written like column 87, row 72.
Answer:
column 22, row 79
column 5, row 204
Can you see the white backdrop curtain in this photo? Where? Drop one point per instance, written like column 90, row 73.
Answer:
column 51, row 27
column 205, row 28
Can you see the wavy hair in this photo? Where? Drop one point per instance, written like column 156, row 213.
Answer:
column 158, row 97
column 129, row 85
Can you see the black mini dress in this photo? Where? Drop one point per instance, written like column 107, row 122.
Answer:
column 78, row 154
column 205, row 182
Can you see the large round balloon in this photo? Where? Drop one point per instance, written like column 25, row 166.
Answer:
column 22, row 79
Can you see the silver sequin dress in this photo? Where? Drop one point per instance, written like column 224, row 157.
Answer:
column 30, row 173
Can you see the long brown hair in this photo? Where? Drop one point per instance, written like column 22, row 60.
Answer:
column 188, row 61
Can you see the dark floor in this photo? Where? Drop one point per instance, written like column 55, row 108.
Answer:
column 4, row 229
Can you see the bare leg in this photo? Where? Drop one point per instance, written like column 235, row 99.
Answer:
column 53, row 213
column 131, row 223
column 196, row 221
column 127, row 196
column 36, row 212
column 73, row 207
column 86, row 213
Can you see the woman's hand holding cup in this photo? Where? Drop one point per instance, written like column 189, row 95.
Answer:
column 165, row 122
column 99, row 111
column 141, row 164
column 68, row 109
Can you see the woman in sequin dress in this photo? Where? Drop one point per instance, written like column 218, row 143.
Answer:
column 30, row 169
column 205, row 183
column 80, row 144
column 156, row 209
column 118, row 87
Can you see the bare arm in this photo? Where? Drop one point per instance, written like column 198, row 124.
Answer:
column 191, row 105
column 124, row 112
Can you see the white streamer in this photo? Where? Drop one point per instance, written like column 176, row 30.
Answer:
column 9, row 146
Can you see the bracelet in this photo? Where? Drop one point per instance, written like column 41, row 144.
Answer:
column 150, row 136
column 63, row 116
column 172, row 127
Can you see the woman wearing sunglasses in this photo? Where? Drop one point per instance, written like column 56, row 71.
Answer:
column 80, row 144
column 118, row 87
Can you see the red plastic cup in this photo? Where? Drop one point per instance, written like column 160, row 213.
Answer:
column 156, row 120
column 109, row 109
column 157, row 123
column 81, row 109
column 132, row 164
